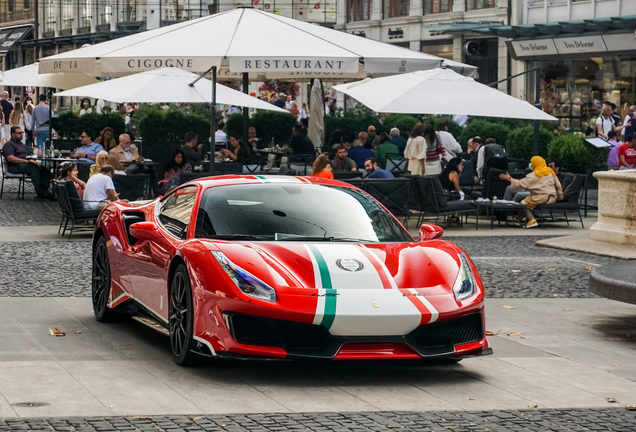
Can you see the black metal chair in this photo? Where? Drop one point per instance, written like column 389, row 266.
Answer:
column 395, row 162
column 392, row 194
column 73, row 209
column 345, row 175
column 6, row 175
column 573, row 186
column 437, row 202
column 131, row 187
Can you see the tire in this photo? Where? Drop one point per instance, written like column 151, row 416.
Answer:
column 100, row 285
column 182, row 319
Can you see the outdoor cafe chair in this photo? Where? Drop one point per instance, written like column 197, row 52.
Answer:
column 131, row 187
column 435, row 201
column 6, row 175
column 284, row 162
column 573, row 186
column 394, row 162
column 73, row 210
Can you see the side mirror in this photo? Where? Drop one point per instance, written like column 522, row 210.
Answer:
column 429, row 232
column 144, row 230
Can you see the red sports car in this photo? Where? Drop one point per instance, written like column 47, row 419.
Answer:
column 285, row 267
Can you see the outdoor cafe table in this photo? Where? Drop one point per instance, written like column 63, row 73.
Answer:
column 52, row 163
column 492, row 206
column 150, row 166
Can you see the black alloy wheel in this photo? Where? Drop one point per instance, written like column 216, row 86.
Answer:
column 100, row 287
column 181, row 320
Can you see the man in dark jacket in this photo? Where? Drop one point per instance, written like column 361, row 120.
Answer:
column 398, row 140
column 16, row 155
column 300, row 142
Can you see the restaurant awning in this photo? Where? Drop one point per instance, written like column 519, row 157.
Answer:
column 10, row 36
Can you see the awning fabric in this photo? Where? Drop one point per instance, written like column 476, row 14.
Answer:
column 9, row 37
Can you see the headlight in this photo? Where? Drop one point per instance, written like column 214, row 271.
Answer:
column 465, row 283
column 246, row 282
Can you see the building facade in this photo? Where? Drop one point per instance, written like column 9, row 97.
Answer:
column 438, row 27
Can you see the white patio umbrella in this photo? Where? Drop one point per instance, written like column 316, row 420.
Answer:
column 438, row 91
column 316, row 132
column 28, row 76
column 166, row 85
column 291, row 46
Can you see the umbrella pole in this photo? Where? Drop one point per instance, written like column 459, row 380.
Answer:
column 537, row 104
column 246, row 111
column 50, row 122
column 213, row 124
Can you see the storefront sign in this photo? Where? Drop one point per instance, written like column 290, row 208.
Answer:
column 534, row 48
column 308, row 64
column 539, row 48
column 360, row 33
column 11, row 36
column 581, row 44
column 396, row 33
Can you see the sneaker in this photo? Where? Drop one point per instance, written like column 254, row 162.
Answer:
column 513, row 223
column 532, row 224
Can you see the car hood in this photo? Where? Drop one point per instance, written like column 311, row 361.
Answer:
column 334, row 265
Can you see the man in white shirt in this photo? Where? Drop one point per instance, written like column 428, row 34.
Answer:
column 453, row 149
column 100, row 190
column 220, row 136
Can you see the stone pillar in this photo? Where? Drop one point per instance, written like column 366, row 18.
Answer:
column 616, row 208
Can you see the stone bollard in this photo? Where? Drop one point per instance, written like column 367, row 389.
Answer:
column 616, row 208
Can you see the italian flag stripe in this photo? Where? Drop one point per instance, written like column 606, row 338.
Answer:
column 330, row 294
column 263, row 179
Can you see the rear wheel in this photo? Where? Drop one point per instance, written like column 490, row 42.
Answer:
column 182, row 319
column 100, row 287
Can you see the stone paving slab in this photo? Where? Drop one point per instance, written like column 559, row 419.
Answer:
column 564, row 420
column 569, row 353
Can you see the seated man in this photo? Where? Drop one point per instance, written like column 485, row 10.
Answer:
column 192, row 150
column 516, row 195
column 15, row 153
column 100, row 190
column 386, row 148
column 371, row 165
column 398, row 140
column 87, row 153
column 627, row 153
column 300, row 143
column 252, row 139
column 77, row 204
column 127, row 152
column 341, row 162
column 359, row 153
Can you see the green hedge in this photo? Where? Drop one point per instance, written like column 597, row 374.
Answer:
column 353, row 122
column 573, row 150
column 485, row 130
column 520, row 142
column 275, row 125
column 404, row 122
column 70, row 125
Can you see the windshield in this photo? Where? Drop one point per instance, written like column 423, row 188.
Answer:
column 295, row 212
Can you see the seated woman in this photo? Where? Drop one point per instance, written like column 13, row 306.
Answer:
column 75, row 190
column 544, row 188
column 107, row 139
column 117, row 166
column 101, row 159
column 238, row 151
column 68, row 172
column 173, row 169
column 322, row 167
column 449, row 177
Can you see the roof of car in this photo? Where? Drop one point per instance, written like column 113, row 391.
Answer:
column 227, row 180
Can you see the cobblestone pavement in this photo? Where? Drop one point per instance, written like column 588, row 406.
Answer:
column 509, row 267
column 610, row 419
column 27, row 212
column 45, row 269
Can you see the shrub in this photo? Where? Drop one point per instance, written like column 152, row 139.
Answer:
column 484, row 130
column 573, row 150
column 270, row 124
column 520, row 142
column 453, row 127
column 404, row 122
column 353, row 122
column 234, row 124
column 66, row 125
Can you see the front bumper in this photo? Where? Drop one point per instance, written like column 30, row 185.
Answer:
column 451, row 338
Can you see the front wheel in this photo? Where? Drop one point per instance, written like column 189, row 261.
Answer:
column 182, row 319
column 100, row 286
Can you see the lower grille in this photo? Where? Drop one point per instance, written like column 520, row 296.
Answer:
column 458, row 331
column 253, row 330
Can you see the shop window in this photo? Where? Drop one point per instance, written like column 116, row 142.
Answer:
column 27, row 4
column 396, row 8
column 479, row 4
column 442, row 49
column 573, row 90
column 321, row 11
column 133, row 10
column 437, row 6
column 359, row 10
column 11, row 5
